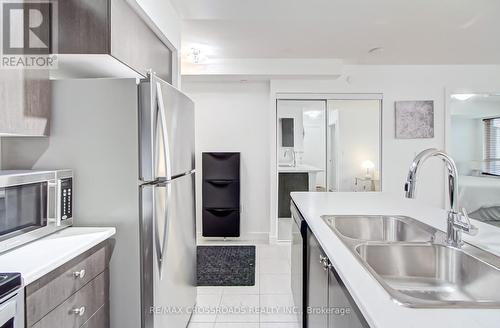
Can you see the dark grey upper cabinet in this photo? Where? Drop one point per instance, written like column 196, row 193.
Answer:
column 83, row 27
column 107, row 38
column 25, row 101
column 287, row 135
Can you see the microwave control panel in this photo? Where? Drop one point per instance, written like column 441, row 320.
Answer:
column 66, row 198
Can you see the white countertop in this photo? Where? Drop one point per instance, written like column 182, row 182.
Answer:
column 300, row 168
column 374, row 302
column 39, row 257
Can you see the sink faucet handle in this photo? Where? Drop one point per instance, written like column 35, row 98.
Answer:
column 467, row 226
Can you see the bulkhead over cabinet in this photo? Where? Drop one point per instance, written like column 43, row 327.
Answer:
column 108, row 38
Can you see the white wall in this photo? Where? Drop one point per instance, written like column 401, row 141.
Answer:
column 233, row 117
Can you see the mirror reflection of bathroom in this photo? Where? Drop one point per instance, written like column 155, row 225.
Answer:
column 475, row 146
column 353, row 136
column 326, row 145
column 302, row 144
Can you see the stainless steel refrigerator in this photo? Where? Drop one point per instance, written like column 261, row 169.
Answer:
column 131, row 146
column 167, row 204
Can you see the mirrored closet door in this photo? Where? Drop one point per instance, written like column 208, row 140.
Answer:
column 327, row 144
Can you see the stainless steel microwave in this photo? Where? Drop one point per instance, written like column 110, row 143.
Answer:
column 34, row 204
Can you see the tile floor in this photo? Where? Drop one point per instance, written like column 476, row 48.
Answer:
column 242, row 307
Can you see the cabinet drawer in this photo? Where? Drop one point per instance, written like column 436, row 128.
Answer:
column 87, row 300
column 100, row 319
column 221, row 194
column 223, row 166
column 48, row 292
column 221, row 223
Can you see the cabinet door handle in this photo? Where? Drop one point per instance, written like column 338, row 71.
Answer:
column 79, row 274
column 79, row 311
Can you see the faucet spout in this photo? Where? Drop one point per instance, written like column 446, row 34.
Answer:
column 294, row 157
column 458, row 220
column 411, row 180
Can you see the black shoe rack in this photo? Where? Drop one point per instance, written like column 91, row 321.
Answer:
column 221, row 195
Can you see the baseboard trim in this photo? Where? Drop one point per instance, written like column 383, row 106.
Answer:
column 262, row 237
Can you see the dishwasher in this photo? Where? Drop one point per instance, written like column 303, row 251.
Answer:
column 316, row 284
column 298, row 265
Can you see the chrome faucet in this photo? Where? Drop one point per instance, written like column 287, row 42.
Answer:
column 458, row 219
column 294, row 159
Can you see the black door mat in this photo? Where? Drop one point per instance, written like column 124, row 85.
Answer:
column 226, row 265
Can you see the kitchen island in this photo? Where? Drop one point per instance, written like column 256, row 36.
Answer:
column 375, row 304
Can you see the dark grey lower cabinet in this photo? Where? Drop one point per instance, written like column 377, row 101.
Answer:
column 100, row 319
column 317, row 284
column 80, row 307
column 74, row 295
column 329, row 303
column 343, row 312
column 287, row 183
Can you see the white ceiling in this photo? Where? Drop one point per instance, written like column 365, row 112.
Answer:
column 410, row 31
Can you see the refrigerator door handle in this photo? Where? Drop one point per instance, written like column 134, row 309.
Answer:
column 147, row 240
column 162, row 245
column 163, row 122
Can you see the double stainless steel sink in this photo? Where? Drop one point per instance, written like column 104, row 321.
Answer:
column 413, row 263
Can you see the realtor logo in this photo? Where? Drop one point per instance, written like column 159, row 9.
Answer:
column 27, row 34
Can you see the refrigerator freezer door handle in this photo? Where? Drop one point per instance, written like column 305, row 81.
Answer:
column 163, row 122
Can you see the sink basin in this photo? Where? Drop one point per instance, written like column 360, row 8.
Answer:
column 381, row 228
column 412, row 262
column 434, row 275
